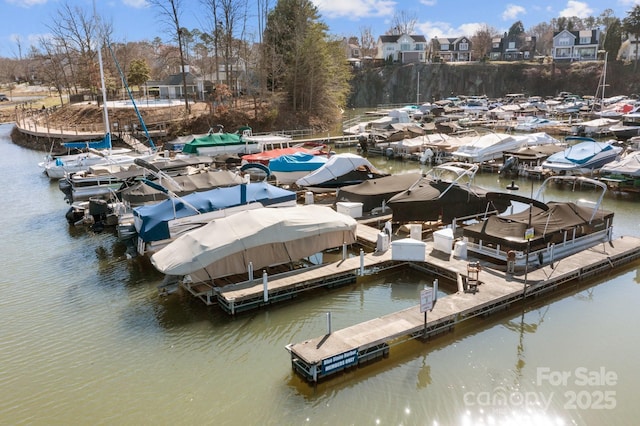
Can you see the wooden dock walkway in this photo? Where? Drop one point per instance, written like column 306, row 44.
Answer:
column 324, row 356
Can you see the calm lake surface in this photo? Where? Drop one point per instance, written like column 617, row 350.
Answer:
column 86, row 339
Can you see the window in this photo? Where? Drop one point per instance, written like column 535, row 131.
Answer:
column 444, row 47
column 564, row 41
column 419, row 46
column 463, row 46
column 585, row 40
column 405, row 47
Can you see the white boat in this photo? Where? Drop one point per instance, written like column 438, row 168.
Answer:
column 533, row 124
column 596, row 127
column 582, row 157
column 340, row 170
column 287, row 169
column 491, row 146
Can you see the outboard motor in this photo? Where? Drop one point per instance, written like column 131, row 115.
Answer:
column 98, row 209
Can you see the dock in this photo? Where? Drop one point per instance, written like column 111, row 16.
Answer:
column 322, row 357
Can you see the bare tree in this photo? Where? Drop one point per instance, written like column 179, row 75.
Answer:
column 482, row 41
column 367, row 41
column 170, row 10
column 403, row 22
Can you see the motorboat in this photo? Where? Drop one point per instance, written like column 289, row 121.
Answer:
column 491, row 146
column 628, row 127
column 340, row 170
column 542, row 232
column 443, row 194
column 287, row 169
column 158, row 224
column 254, row 239
column 375, row 193
column 535, row 124
column 623, row 174
column 584, row 155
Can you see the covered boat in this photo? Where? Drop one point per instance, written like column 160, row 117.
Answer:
column 340, row 170
column 582, row 157
column 492, row 145
column 375, row 193
column 446, row 192
column 159, row 223
column 219, row 143
column 547, row 231
column 289, row 168
column 261, row 237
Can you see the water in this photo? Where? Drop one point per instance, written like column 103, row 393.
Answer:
column 86, row 339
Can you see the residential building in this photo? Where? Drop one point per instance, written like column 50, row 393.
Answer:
column 402, row 48
column 630, row 49
column 451, row 49
column 575, row 45
column 172, row 87
column 513, row 48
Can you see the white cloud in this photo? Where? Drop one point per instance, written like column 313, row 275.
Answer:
column 444, row 29
column 26, row 3
column 512, row 12
column 136, row 4
column 576, row 8
column 355, row 9
column 429, row 2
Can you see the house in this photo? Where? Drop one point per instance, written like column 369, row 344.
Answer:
column 172, row 87
column 512, row 48
column 352, row 51
column 402, row 48
column 629, row 50
column 451, row 49
column 575, row 45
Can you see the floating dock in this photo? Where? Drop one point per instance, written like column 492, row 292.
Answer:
column 324, row 356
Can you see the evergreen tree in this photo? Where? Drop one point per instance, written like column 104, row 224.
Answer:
column 139, row 73
column 631, row 25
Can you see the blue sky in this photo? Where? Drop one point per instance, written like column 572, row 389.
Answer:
column 27, row 20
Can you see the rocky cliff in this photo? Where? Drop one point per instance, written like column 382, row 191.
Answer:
column 419, row 83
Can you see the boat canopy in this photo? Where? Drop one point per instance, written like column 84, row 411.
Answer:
column 261, row 237
column 152, row 221
column 212, row 140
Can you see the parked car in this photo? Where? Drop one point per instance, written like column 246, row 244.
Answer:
column 3, row 97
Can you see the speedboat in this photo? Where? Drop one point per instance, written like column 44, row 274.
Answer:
column 628, row 128
column 544, row 231
column 287, row 169
column 582, row 157
column 340, row 170
column 445, row 193
column 375, row 193
column 492, row 145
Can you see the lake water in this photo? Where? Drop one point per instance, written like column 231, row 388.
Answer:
column 86, row 339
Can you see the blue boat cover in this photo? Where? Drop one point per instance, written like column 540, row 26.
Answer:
column 104, row 143
column 298, row 162
column 212, row 139
column 155, row 217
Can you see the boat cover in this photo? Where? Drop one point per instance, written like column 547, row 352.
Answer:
column 152, row 221
column 297, row 162
column 586, row 154
column 261, row 237
column 509, row 231
column 629, row 165
column 212, row 139
column 141, row 193
column 371, row 193
column 337, row 166
column 104, row 143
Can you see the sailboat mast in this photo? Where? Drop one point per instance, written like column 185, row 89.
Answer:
column 105, row 111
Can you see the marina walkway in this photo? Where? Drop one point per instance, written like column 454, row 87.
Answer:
column 326, row 355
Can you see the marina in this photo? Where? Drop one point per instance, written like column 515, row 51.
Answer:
column 84, row 325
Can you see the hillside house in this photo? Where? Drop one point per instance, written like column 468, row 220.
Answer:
column 451, row 49
column 575, row 45
column 402, row 48
column 630, row 49
column 512, row 48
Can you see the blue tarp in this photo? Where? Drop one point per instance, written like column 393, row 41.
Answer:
column 155, row 218
column 104, row 143
column 298, row 162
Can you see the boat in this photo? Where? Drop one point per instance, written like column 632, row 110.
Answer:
column 375, row 193
column 254, row 239
column 158, row 224
column 242, row 142
column 597, row 127
column 628, row 127
column 443, row 194
column 584, row 155
column 287, row 169
column 265, row 157
column 623, row 174
column 544, row 232
column 340, row 170
column 536, row 124
column 491, row 146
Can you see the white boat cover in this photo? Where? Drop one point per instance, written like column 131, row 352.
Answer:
column 337, row 165
column 629, row 165
column 262, row 236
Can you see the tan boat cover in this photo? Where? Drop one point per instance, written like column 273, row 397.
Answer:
column 266, row 236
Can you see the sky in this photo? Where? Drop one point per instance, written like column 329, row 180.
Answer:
column 26, row 21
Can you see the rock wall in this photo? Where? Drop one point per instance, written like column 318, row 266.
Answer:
column 419, row 83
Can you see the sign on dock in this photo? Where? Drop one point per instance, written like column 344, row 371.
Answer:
column 426, row 299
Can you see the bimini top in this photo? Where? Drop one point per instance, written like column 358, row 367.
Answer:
column 263, row 237
column 152, row 221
